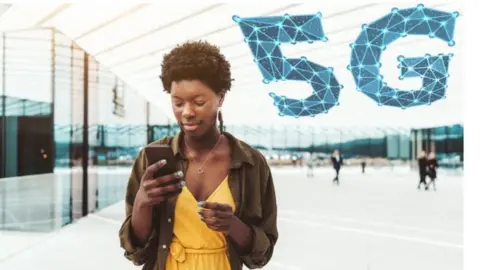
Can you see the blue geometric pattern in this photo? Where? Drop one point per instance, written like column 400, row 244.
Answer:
column 433, row 70
column 264, row 36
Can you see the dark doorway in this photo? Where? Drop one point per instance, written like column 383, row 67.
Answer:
column 28, row 145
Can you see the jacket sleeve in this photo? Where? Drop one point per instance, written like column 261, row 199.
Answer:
column 265, row 232
column 133, row 252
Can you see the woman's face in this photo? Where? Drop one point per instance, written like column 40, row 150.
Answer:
column 195, row 106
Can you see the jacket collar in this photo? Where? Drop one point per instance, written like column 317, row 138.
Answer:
column 240, row 152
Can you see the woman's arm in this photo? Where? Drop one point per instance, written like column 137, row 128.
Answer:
column 141, row 223
column 241, row 234
column 136, row 233
column 256, row 247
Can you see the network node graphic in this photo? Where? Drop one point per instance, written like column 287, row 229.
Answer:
column 433, row 70
column 264, row 35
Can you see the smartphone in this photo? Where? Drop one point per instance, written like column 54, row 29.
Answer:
column 157, row 152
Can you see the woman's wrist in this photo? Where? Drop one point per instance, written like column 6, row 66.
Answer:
column 240, row 233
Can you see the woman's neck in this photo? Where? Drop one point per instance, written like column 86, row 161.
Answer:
column 204, row 143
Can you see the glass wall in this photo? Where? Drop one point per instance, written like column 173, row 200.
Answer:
column 290, row 145
column 445, row 141
column 70, row 131
column 382, row 146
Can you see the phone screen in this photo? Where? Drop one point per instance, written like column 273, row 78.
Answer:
column 156, row 153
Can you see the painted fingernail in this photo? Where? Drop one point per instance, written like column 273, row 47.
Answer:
column 201, row 203
column 180, row 174
column 183, row 183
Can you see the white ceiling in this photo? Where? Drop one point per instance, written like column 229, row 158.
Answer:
column 131, row 39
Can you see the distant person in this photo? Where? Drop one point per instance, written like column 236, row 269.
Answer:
column 432, row 166
column 422, row 168
column 310, row 166
column 364, row 164
column 337, row 162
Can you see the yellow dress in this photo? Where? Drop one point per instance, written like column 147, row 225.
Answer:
column 194, row 245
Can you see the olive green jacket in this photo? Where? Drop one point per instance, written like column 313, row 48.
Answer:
column 253, row 191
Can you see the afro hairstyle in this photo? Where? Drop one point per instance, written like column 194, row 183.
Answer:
column 196, row 60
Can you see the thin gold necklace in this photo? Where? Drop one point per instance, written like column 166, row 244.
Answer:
column 200, row 169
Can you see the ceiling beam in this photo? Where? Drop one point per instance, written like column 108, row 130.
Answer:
column 123, row 62
column 237, row 43
column 53, row 14
column 113, row 20
column 4, row 8
column 185, row 18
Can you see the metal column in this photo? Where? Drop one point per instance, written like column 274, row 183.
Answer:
column 52, row 115
column 4, row 132
column 85, row 152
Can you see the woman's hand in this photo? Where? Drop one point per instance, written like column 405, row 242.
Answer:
column 156, row 190
column 218, row 217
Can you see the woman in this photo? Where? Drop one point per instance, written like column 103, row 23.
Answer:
column 432, row 166
column 223, row 215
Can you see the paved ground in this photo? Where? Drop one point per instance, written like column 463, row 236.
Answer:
column 378, row 220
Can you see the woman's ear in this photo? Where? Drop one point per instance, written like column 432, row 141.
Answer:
column 222, row 98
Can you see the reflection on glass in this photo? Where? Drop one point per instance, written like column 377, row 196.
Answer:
column 44, row 132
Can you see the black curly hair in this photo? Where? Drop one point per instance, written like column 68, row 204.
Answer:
column 196, row 60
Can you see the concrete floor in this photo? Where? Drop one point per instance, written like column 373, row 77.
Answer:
column 375, row 221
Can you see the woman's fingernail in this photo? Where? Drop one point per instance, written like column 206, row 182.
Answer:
column 183, row 183
column 201, row 204
column 163, row 161
column 180, row 174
